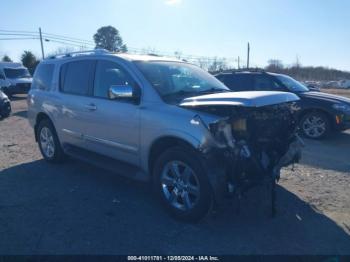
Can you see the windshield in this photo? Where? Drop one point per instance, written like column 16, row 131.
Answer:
column 16, row 73
column 176, row 79
column 292, row 84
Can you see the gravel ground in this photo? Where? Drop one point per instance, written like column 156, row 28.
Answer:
column 74, row 208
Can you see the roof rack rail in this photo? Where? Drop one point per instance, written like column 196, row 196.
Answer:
column 152, row 54
column 230, row 71
column 77, row 53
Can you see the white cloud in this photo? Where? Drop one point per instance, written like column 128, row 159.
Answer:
column 173, row 2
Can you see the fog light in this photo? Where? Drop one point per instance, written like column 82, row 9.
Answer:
column 338, row 119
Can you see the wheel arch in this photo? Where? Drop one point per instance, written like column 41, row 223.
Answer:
column 40, row 116
column 162, row 144
column 318, row 110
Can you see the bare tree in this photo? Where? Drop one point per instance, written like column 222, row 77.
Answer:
column 62, row 50
column 274, row 65
column 217, row 64
column 149, row 50
column 178, row 54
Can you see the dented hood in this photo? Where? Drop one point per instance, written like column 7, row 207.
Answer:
column 247, row 99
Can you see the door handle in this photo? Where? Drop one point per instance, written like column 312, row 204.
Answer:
column 91, row 107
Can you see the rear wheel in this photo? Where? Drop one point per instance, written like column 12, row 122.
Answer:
column 49, row 144
column 182, row 184
column 315, row 125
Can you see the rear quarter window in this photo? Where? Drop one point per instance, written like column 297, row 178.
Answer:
column 43, row 77
column 76, row 77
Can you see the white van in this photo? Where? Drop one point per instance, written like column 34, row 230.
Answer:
column 14, row 78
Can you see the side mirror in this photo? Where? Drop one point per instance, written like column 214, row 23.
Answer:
column 122, row 92
column 2, row 77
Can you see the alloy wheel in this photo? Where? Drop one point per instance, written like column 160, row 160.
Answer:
column 180, row 185
column 314, row 126
column 47, row 142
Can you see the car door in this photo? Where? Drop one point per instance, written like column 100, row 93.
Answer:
column 238, row 81
column 264, row 82
column 113, row 126
column 76, row 79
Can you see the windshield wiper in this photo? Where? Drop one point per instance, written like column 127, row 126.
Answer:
column 183, row 93
column 179, row 93
column 213, row 90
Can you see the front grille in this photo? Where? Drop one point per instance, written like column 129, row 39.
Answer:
column 23, row 85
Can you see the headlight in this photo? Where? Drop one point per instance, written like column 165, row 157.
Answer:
column 342, row 107
column 3, row 95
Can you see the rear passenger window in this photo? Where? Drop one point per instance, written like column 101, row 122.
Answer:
column 238, row 82
column 76, row 77
column 43, row 77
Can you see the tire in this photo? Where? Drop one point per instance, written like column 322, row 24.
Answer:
column 315, row 125
column 47, row 131
column 6, row 114
column 188, row 196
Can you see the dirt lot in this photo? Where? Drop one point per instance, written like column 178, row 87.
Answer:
column 337, row 91
column 74, row 208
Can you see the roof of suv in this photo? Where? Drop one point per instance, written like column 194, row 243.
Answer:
column 247, row 71
column 132, row 57
column 102, row 52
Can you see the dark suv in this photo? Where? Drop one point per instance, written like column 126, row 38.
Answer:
column 320, row 113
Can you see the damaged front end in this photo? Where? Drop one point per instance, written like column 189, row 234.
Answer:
column 253, row 138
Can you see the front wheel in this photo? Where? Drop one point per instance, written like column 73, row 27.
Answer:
column 315, row 125
column 182, row 184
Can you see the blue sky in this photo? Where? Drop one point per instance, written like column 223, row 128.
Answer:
column 317, row 31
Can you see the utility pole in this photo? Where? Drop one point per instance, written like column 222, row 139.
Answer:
column 238, row 61
column 41, row 42
column 248, row 53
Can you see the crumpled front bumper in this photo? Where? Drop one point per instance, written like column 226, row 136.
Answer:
column 219, row 156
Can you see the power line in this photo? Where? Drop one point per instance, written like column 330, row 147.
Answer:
column 19, row 38
column 51, row 37
column 15, row 31
column 66, row 43
column 68, row 37
column 64, row 39
column 18, row 34
column 48, row 35
column 83, row 43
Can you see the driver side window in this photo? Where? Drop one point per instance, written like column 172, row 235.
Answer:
column 109, row 74
column 265, row 83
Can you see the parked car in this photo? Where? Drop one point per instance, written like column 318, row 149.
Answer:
column 162, row 120
column 312, row 85
column 5, row 105
column 320, row 113
column 313, row 88
column 344, row 83
column 14, row 78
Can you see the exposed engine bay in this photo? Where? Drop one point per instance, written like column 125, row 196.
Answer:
column 255, row 142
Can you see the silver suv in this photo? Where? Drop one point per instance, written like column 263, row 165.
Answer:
column 165, row 121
